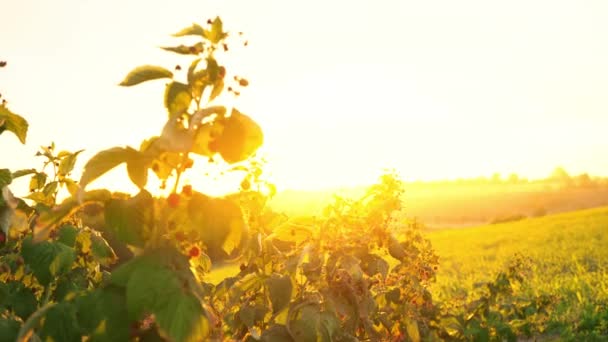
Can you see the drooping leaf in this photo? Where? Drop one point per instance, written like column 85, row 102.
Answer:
column 194, row 30
column 185, row 49
column 137, row 168
column 21, row 173
column 104, row 161
column 177, row 98
column 50, row 218
column 240, row 139
column 145, row 73
column 13, row 123
column 280, row 290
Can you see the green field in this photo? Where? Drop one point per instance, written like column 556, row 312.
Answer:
column 568, row 258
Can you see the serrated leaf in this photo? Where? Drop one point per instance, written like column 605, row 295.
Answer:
column 304, row 326
column 47, row 259
column 40, row 197
column 102, row 251
column 216, row 34
column 177, row 98
column 66, row 234
column 66, row 165
column 13, row 123
column 145, row 73
column 38, row 181
column 194, row 30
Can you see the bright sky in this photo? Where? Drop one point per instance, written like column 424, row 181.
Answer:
column 435, row 89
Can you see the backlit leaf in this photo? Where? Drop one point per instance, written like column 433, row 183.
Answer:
column 145, row 73
column 13, row 123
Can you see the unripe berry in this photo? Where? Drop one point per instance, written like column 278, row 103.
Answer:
column 187, row 190
column 173, row 200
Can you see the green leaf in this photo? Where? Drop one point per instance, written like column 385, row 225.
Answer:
column 216, row 34
column 67, row 235
column 194, row 30
column 129, row 219
column 280, row 290
column 191, row 70
column 177, row 98
column 137, row 169
column 50, row 189
column 221, row 223
column 305, row 323
column 104, row 161
column 5, row 177
column 9, row 329
column 240, row 139
column 411, row 327
column 218, row 87
column 21, row 173
column 145, row 73
column 102, row 251
column 373, row 264
column 150, row 288
column 109, row 320
column 60, row 324
column 185, row 49
column 276, row 333
column 21, row 299
column 184, row 319
column 47, row 259
column 13, row 123
column 66, row 165
column 38, row 181
column 154, row 288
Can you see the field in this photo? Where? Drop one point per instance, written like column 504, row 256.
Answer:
column 568, row 258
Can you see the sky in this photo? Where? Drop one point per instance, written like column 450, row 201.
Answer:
column 342, row 89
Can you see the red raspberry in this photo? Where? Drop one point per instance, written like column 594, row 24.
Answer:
column 187, row 190
column 2, row 237
column 194, row 252
column 173, row 200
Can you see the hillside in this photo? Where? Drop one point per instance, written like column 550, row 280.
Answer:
column 568, row 258
column 464, row 203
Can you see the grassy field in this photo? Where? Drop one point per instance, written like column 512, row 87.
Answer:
column 568, row 258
